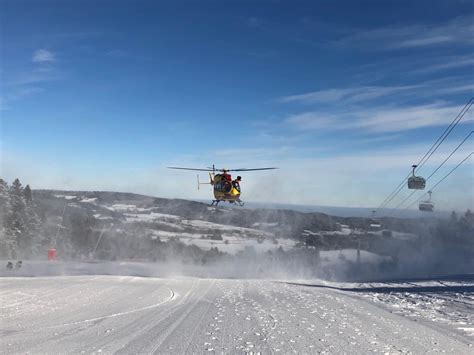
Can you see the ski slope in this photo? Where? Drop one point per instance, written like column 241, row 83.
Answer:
column 129, row 315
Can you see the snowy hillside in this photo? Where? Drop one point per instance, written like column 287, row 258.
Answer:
column 109, row 216
column 112, row 226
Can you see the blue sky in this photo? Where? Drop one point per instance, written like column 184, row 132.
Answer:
column 343, row 97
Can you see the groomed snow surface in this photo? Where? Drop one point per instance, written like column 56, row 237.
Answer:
column 80, row 309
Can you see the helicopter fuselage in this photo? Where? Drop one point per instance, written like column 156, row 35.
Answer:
column 224, row 190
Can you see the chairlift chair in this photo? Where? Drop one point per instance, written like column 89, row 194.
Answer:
column 426, row 206
column 416, row 182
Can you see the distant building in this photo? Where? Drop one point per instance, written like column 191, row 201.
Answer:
column 375, row 227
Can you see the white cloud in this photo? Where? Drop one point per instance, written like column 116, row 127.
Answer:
column 458, row 30
column 448, row 63
column 36, row 76
column 126, row 54
column 427, row 41
column 329, row 95
column 378, row 120
column 17, row 94
column 43, row 56
column 256, row 22
column 354, row 94
column 25, row 83
column 349, row 178
column 458, row 89
column 313, row 120
column 360, row 94
column 355, row 108
column 407, row 118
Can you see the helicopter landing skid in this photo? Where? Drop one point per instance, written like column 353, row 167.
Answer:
column 216, row 202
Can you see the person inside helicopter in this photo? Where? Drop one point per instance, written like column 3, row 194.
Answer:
column 226, row 176
column 236, row 183
column 226, row 182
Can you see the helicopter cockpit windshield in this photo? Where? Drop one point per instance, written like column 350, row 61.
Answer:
column 221, row 184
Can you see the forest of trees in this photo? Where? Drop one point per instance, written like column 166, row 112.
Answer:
column 455, row 236
column 19, row 221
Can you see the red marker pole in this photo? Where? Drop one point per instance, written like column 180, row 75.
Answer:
column 51, row 254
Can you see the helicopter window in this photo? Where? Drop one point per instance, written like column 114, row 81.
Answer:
column 219, row 186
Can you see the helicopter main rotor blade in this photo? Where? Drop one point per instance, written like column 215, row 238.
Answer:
column 179, row 168
column 216, row 169
column 252, row 169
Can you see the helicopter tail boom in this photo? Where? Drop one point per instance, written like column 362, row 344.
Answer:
column 203, row 183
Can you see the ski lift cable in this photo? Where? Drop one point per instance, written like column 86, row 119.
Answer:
column 440, row 181
column 394, row 193
column 422, row 161
column 430, row 151
column 407, row 198
column 450, row 155
column 439, row 167
column 466, row 108
column 400, row 188
column 431, row 189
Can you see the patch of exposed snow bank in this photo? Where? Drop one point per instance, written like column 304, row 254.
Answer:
column 67, row 197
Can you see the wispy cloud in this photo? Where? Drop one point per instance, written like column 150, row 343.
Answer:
column 406, row 118
column 43, row 56
column 426, row 40
column 406, row 69
column 355, row 94
column 253, row 22
column 448, row 63
column 43, row 69
column 26, row 82
column 458, row 89
column 313, row 120
column 366, row 177
column 368, row 94
column 125, row 54
column 18, row 94
column 458, row 30
column 377, row 120
column 36, row 76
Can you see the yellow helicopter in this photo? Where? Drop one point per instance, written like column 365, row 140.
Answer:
column 225, row 189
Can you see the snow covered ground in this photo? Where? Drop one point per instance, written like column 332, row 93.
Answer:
column 201, row 233
column 449, row 302
column 134, row 314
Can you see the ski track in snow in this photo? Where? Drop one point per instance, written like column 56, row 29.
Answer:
column 124, row 314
